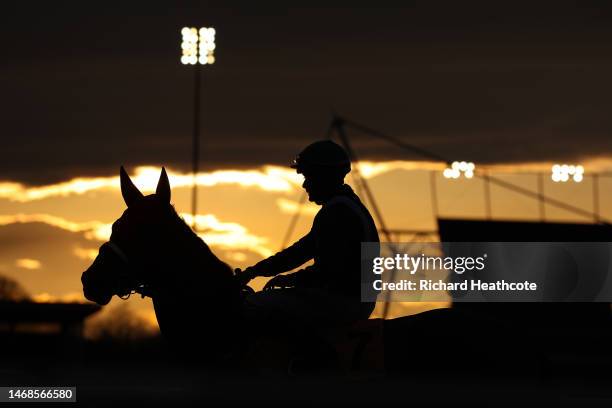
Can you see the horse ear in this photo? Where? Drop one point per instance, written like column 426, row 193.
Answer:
column 129, row 191
column 163, row 187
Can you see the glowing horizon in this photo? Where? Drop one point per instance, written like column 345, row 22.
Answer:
column 247, row 213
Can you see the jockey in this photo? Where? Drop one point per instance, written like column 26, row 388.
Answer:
column 328, row 292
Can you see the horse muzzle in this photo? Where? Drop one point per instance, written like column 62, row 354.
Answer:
column 95, row 291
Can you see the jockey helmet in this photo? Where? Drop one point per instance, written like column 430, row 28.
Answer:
column 322, row 156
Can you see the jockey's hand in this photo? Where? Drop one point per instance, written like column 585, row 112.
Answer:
column 243, row 277
column 280, row 281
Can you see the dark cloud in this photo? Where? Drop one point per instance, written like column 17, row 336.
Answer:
column 88, row 86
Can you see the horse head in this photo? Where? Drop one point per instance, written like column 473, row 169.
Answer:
column 124, row 263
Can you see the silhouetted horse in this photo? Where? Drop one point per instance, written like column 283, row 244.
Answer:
column 152, row 251
column 196, row 299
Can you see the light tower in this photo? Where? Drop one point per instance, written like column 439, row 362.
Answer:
column 198, row 48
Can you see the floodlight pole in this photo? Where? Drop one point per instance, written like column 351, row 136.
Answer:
column 197, row 49
column 196, row 144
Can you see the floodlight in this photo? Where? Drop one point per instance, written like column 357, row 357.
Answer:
column 456, row 168
column 198, row 46
column 563, row 172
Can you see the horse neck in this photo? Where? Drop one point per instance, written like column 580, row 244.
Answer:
column 187, row 258
column 192, row 282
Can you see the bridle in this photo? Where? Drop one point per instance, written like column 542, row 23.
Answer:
column 139, row 288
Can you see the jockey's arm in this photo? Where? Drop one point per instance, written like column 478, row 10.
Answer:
column 285, row 260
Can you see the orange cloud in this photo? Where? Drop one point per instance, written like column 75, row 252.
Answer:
column 85, row 253
column 291, row 207
column 93, row 229
column 226, row 235
column 27, row 263
column 268, row 178
column 70, row 297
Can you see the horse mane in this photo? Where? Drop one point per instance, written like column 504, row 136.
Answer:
column 183, row 234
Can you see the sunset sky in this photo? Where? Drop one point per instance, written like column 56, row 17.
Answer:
column 86, row 89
